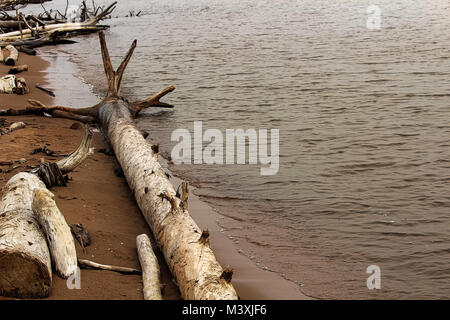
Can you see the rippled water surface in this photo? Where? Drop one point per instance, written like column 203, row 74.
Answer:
column 364, row 129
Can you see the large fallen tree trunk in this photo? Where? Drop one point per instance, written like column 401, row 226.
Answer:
column 184, row 245
column 25, row 262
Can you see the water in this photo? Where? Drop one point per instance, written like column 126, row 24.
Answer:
column 364, row 129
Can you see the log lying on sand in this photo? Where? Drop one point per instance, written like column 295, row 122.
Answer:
column 11, row 84
column 11, row 60
column 59, row 236
column 25, row 261
column 184, row 245
column 24, row 257
column 94, row 265
column 13, row 127
column 150, row 268
column 186, row 250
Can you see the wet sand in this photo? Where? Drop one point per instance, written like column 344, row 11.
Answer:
column 103, row 203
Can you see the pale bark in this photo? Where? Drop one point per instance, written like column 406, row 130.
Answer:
column 11, row 60
column 150, row 268
column 184, row 245
column 13, row 127
column 24, row 257
column 18, row 69
column 10, row 84
column 59, row 236
column 48, row 30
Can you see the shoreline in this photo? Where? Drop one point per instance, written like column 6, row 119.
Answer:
column 109, row 211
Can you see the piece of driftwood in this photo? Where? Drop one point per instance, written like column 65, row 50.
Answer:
column 13, row 127
column 83, row 264
column 81, row 235
column 25, row 261
column 47, row 91
column 150, row 268
column 66, row 27
column 26, row 50
column 24, row 256
column 59, row 236
column 11, row 84
column 18, row 69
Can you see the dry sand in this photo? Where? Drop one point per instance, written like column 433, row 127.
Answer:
column 103, row 203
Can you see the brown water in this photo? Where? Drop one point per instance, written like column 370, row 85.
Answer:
column 364, row 129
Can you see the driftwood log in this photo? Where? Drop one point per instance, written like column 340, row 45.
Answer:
column 25, row 261
column 13, row 56
column 185, row 246
column 10, row 4
column 150, row 268
column 59, row 236
column 24, row 257
column 13, row 127
column 11, row 84
column 18, row 69
column 83, row 263
column 67, row 27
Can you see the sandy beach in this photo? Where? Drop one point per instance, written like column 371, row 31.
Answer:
column 103, row 203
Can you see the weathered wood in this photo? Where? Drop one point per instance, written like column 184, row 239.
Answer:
column 13, row 56
column 24, row 257
column 77, row 157
column 59, row 236
column 47, row 91
column 150, row 268
column 81, row 235
column 7, row 84
column 83, row 263
column 13, row 127
column 10, row 4
column 184, row 245
column 11, row 84
column 25, row 261
column 26, row 50
column 18, row 69
column 68, row 27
